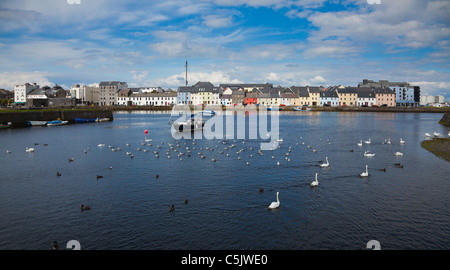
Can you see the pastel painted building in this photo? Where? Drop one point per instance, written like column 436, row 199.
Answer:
column 385, row 97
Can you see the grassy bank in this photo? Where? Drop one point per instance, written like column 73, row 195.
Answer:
column 438, row 146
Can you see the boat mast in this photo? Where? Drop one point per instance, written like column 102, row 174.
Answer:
column 186, row 73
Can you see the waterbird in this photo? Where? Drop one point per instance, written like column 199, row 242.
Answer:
column 323, row 165
column 99, row 176
column 276, row 204
column 366, row 173
column 8, row 152
column 351, row 150
column 368, row 154
column 186, row 201
column 157, row 176
column 315, row 183
column 398, row 154
column 278, row 163
column 382, row 170
column 70, row 159
column 85, row 207
column 368, row 142
column 58, row 174
column 428, row 134
column 360, row 143
column 55, row 245
column 261, row 190
column 402, row 141
column 172, row 208
column 29, row 150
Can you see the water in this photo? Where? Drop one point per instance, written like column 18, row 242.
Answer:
column 401, row 208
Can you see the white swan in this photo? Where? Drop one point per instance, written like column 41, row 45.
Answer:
column 398, row 154
column 368, row 142
column 366, row 173
column 101, row 145
column 276, row 204
column 427, row 134
column 278, row 163
column 360, row 143
column 29, row 150
column 402, row 141
column 325, row 164
column 368, row 154
column 437, row 134
column 315, row 183
column 389, row 141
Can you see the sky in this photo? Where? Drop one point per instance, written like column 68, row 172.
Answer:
column 283, row 42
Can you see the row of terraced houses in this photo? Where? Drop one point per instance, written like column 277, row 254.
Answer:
column 116, row 93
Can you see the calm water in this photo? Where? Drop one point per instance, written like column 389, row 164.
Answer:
column 401, row 208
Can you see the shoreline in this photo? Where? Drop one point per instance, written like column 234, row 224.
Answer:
column 282, row 109
column 440, row 147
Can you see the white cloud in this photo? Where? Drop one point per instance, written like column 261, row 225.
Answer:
column 215, row 77
column 217, row 21
column 9, row 79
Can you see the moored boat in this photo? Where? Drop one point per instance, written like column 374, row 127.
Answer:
column 36, row 123
column 57, row 123
column 273, row 108
column 102, row 119
column 6, row 125
column 208, row 113
column 84, row 120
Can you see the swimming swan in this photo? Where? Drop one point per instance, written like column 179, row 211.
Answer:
column 365, row 174
column 276, row 204
column 315, row 183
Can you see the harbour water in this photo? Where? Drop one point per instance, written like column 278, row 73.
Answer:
column 401, row 208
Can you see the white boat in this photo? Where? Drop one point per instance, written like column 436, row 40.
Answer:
column 102, row 119
column 36, row 123
column 208, row 113
column 188, row 125
column 305, row 109
column 273, row 108
column 57, row 123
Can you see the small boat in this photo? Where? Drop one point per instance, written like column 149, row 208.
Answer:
column 36, row 123
column 273, row 109
column 7, row 125
column 304, row 109
column 102, row 119
column 208, row 113
column 189, row 125
column 57, row 123
column 84, row 120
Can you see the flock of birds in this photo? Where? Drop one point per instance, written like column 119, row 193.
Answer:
column 229, row 146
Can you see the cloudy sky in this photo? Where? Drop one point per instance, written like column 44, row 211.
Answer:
column 284, row 42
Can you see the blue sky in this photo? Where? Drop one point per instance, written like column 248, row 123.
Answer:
column 284, row 42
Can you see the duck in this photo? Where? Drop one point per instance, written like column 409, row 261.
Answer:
column 55, row 245
column 8, row 152
column 186, row 201
column 366, row 173
column 99, row 176
column 382, row 170
column 276, row 204
column 157, row 176
column 315, row 183
column 172, row 208
column 70, row 159
column 324, row 165
column 58, row 174
column 261, row 190
column 85, row 207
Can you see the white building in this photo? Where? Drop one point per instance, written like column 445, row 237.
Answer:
column 21, row 92
column 425, row 100
column 149, row 99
